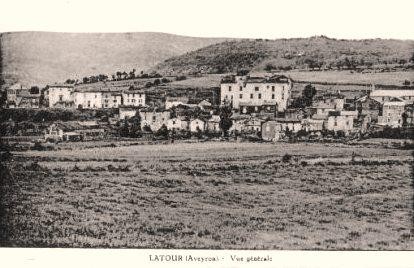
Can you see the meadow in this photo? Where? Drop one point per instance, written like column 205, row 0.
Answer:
column 214, row 195
column 387, row 78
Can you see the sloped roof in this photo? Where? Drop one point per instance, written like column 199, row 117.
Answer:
column 319, row 117
column 16, row 86
column 392, row 92
column 288, row 120
column 325, row 96
column 204, row 103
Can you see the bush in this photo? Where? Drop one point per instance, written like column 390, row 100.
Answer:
column 286, row 158
column 180, row 78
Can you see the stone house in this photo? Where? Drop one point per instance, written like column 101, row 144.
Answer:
column 126, row 112
column 338, row 122
column 271, row 131
column 154, row 119
column 59, row 93
column 213, row 124
column 178, row 123
column 197, row 125
column 392, row 113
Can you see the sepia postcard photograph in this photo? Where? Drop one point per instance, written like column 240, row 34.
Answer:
column 240, row 129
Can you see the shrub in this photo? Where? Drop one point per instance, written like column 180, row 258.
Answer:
column 180, row 78
column 286, row 158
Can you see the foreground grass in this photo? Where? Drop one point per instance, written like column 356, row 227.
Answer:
column 212, row 195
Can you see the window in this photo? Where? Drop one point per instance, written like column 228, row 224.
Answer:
column 283, row 96
column 241, row 88
column 256, row 88
column 251, row 96
column 335, row 123
column 89, row 103
column 241, row 96
column 273, row 88
column 229, row 88
column 273, row 96
column 259, row 96
column 60, row 97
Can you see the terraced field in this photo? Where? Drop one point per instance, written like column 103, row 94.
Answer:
column 211, row 195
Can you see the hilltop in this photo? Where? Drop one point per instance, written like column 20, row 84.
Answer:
column 284, row 54
column 38, row 58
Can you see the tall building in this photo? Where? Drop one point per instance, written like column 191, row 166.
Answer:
column 254, row 94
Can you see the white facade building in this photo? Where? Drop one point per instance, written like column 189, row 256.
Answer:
column 58, row 93
column 177, row 124
column 245, row 92
column 131, row 98
column 197, row 125
column 111, row 99
column 88, row 100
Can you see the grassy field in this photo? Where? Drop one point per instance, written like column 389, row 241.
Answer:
column 211, row 195
column 392, row 78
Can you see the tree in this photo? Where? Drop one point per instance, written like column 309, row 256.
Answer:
column 225, row 120
column 269, row 67
column 308, row 93
column 180, row 78
column 135, row 126
column 162, row 132
column 199, row 134
column 124, row 130
column 132, row 74
column 34, row 90
column 242, row 72
column 157, row 82
column 119, row 75
column 70, row 81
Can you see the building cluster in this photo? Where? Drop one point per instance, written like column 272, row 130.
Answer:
column 70, row 97
column 260, row 106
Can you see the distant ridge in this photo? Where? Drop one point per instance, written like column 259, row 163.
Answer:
column 313, row 52
column 38, row 58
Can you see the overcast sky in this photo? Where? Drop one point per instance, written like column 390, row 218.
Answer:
column 355, row 19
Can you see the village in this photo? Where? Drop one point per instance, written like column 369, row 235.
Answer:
column 254, row 108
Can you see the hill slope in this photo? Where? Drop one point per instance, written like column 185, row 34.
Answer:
column 315, row 52
column 44, row 57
